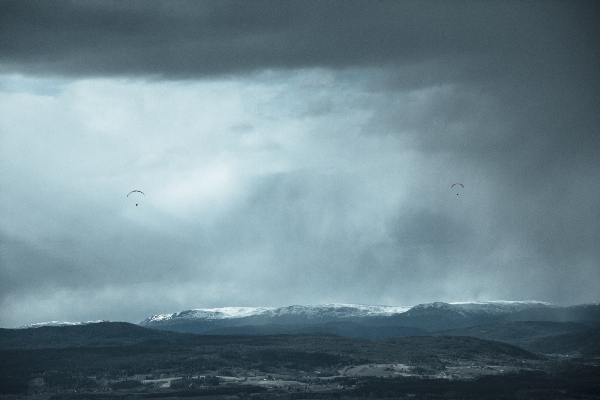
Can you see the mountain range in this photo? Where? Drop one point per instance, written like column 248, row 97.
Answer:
column 523, row 347
column 373, row 321
column 535, row 326
column 357, row 320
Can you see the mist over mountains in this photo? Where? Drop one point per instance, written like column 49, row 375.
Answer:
column 532, row 325
column 519, row 323
column 369, row 321
column 348, row 319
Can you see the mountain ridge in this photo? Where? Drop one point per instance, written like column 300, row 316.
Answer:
column 314, row 311
column 426, row 317
column 349, row 310
column 430, row 317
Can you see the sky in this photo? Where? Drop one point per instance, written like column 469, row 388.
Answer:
column 295, row 152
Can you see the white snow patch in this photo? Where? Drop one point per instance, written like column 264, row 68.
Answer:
column 310, row 311
column 341, row 309
column 210, row 313
column 499, row 306
column 59, row 323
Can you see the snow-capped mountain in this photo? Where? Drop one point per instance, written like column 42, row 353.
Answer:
column 316, row 312
column 498, row 307
column 484, row 308
column 431, row 316
column 58, row 323
column 443, row 316
column 209, row 314
column 357, row 320
column 339, row 311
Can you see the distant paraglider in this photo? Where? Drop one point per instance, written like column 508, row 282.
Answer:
column 454, row 184
column 134, row 191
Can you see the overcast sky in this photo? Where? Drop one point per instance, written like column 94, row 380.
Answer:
column 295, row 152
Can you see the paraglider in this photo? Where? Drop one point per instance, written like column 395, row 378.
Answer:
column 454, row 184
column 133, row 191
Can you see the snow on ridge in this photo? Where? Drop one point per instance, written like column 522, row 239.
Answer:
column 492, row 307
column 350, row 310
column 158, row 318
column 437, row 304
column 506, row 302
column 311, row 311
column 59, row 323
column 210, row 313
column 499, row 306
column 225, row 312
column 343, row 310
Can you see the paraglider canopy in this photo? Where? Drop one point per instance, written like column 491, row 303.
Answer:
column 135, row 191
column 454, row 184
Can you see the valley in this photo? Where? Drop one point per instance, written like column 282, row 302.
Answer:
column 278, row 366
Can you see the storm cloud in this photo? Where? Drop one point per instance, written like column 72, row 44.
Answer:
column 295, row 153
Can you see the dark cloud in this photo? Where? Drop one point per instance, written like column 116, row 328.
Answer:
column 535, row 148
column 193, row 39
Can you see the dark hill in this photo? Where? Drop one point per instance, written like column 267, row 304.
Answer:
column 342, row 328
column 97, row 334
column 585, row 343
column 435, row 317
column 520, row 333
column 123, row 335
column 464, row 347
column 193, row 353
